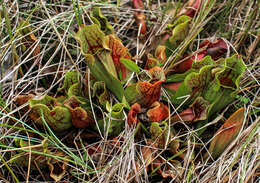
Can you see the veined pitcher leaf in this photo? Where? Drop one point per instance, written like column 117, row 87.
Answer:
column 57, row 168
column 100, row 73
column 234, row 68
column 180, row 30
column 71, row 83
column 151, row 62
column 90, row 38
column 99, row 59
column 143, row 92
column 56, row 116
column 118, row 52
column 199, row 83
column 81, row 118
column 92, row 41
column 114, row 124
column 99, row 19
column 214, row 82
column 100, row 91
column 157, row 74
column 227, row 133
column 132, row 119
column 74, row 90
column 158, row 112
column 196, row 66
column 139, row 15
column 196, row 112
column 146, row 92
column 37, row 161
column 162, row 135
column 160, row 53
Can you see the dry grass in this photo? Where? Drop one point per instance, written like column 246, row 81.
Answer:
column 54, row 24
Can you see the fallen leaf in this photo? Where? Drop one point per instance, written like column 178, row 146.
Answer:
column 148, row 153
column 227, row 133
column 167, row 169
column 23, row 99
column 57, row 168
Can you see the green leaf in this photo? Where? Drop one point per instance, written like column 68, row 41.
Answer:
column 198, row 64
column 179, row 77
column 129, row 64
column 3, row 105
